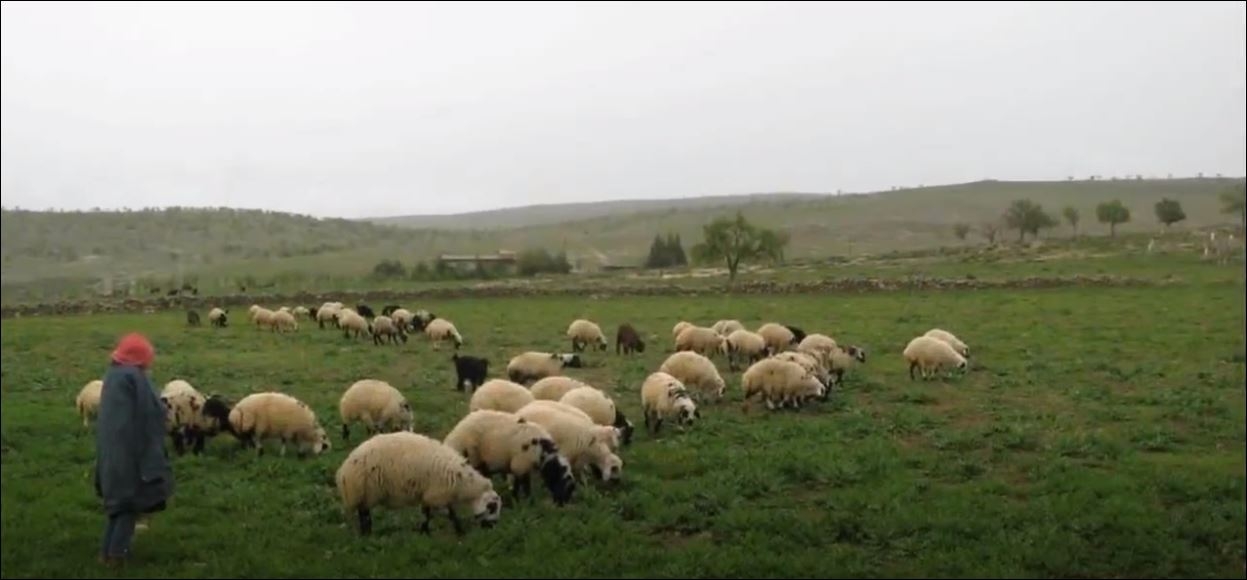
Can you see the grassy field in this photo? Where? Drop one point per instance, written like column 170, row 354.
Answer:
column 1100, row 433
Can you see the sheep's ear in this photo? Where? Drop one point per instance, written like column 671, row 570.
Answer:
column 522, row 420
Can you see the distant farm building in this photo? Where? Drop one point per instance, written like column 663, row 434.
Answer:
column 502, row 260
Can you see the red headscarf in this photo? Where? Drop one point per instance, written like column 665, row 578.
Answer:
column 134, row 349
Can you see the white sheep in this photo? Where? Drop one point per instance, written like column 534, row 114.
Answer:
column 777, row 336
column 744, row 345
column 583, row 443
column 376, row 404
column 351, row 322
column 192, row 417
column 584, row 333
column 951, row 339
column 500, row 442
column 664, row 396
column 500, row 395
column 271, row 415
column 700, row 340
column 283, row 321
column 600, row 408
column 88, row 401
column 695, row 372
column 263, row 317
column 554, row 387
column 841, row 359
column 679, row 327
column 217, row 317
column 534, row 365
column 302, row 311
column 440, row 329
column 403, row 318
column 780, row 381
column 929, row 355
column 328, row 313
column 809, row 362
column 727, row 327
column 384, row 327
column 818, row 346
column 402, row 469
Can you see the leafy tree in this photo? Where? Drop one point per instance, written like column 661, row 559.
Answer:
column 1071, row 217
column 539, row 261
column 666, row 252
column 389, row 269
column 1169, row 212
column 961, row 230
column 735, row 240
column 1112, row 213
column 1234, row 201
column 675, row 251
column 1026, row 217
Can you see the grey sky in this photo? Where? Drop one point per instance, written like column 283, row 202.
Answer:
column 388, row 108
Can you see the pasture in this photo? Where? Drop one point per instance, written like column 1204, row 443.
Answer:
column 1099, row 433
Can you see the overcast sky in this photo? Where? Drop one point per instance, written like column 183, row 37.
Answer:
column 360, row 109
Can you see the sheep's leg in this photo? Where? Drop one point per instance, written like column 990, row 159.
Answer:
column 365, row 521
column 283, row 446
column 346, row 432
column 521, row 484
column 200, row 439
column 428, row 521
column 454, row 519
column 178, row 445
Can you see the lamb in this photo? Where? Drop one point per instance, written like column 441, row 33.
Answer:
column 192, row 318
column 628, row 340
column 929, row 355
column 600, row 408
column 585, row 332
column 376, row 404
column 584, row 444
column 695, row 371
column 778, row 338
column 470, row 371
column 384, row 327
column 499, row 442
column 782, row 381
column 553, row 388
column 402, row 469
column 727, row 327
column 271, row 415
column 350, row 322
column 700, row 340
column 500, row 395
column 283, row 321
column 534, row 365
column 952, row 341
column 441, row 329
column 663, row 396
column 365, row 311
column 217, row 317
column 88, row 401
column 192, row 417
column 746, row 345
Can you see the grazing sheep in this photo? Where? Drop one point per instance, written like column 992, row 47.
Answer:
column 818, row 346
column 499, row 442
column 929, row 355
column 699, row 339
column 365, row 311
column 585, row 332
column 679, row 327
column 350, row 322
column 584, row 444
column 952, row 341
column 628, row 340
column 778, row 338
column 664, row 396
column 328, row 312
column 421, row 318
column 744, row 345
column 283, row 321
column 376, row 404
column 727, row 327
column 217, row 317
column 403, row 318
column 441, row 329
column 403, row 469
column 500, row 395
column 533, row 365
column 809, row 362
column 780, row 381
column 192, row 318
column 798, row 335
column 553, row 388
column 842, row 359
column 384, row 327
column 470, row 371
column 696, row 372
column 271, row 415
column 263, row 317
column 88, row 401
column 192, row 417
column 600, row 408
column 302, row 311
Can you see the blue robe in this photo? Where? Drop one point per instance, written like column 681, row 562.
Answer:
column 132, row 470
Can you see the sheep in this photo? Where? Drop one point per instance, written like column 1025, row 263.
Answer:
column 780, row 380
column 628, row 340
column 534, row 365
column 384, row 327
column 88, row 401
column 421, row 318
column 500, row 395
column 376, row 404
column 584, row 444
column 272, row 415
column 470, row 371
column 696, row 372
column 403, row 318
column 283, row 321
column 192, row 318
column 350, row 322
column 700, row 340
column 554, row 387
column 500, row 442
column 818, row 346
column 263, row 317
column 585, row 332
column 809, row 362
column 798, row 335
column 600, row 408
column 192, row 417
column 841, row 359
column 365, row 311
column 727, row 327
column 930, row 354
column 403, row 469
column 744, row 344
column 663, row 396
column 389, row 309
column 952, row 341
column 217, row 317
column 679, row 327
column 441, row 329
column 778, row 338
column 301, row 311
column 328, row 312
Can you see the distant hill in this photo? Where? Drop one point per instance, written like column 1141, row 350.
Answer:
column 44, row 252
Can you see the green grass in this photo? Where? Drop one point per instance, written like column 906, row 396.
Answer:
column 1100, row 433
